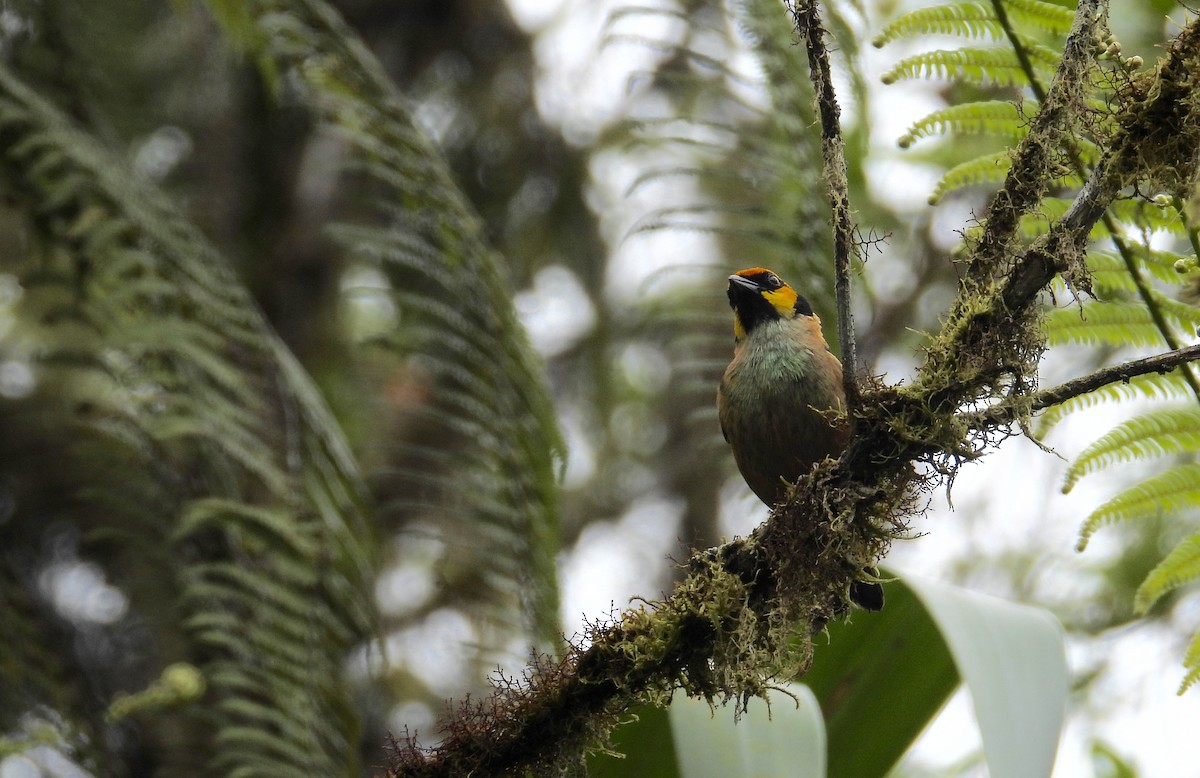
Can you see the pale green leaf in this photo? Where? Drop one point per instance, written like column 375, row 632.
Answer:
column 784, row 738
column 1191, row 661
column 1013, row 660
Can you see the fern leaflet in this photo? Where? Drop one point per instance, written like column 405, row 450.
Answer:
column 1156, row 433
column 989, row 117
column 1179, row 567
column 1176, row 489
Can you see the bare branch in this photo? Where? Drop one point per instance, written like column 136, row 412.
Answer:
column 808, row 24
column 1009, row 411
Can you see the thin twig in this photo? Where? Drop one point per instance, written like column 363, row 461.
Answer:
column 1039, row 91
column 808, row 24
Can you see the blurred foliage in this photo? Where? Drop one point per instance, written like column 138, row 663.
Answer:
column 175, row 488
column 177, row 492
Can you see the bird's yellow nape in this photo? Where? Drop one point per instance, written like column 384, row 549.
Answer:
column 783, row 298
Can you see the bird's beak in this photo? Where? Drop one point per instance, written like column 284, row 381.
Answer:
column 741, row 290
column 743, row 282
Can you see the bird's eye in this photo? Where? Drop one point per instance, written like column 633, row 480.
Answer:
column 773, row 282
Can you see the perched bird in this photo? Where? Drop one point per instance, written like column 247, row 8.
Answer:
column 781, row 399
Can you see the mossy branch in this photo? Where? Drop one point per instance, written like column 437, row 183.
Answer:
column 1036, row 161
column 1161, row 132
column 1110, row 223
column 746, row 610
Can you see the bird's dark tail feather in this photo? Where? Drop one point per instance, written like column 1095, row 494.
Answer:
column 867, row 595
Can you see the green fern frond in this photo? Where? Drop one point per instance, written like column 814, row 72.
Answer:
column 33, row 673
column 751, row 147
column 190, row 389
column 1155, row 433
column 983, row 67
column 705, row 62
column 1191, row 660
column 1129, row 311
column 717, row 179
column 633, row 11
column 668, row 129
column 1136, row 213
column 968, row 20
column 988, row 117
column 270, row 524
column 986, row 169
column 1159, row 263
column 1173, row 490
column 993, row 66
column 1052, row 18
column 432, row 248
column 1044, row 58
column 1182, row 314
column 1116, row 323
column 781, row 147
column 1118, row 302
column 1145, row 215
column 975, row 20
column 1180, row 567
column 1110, row 274
column 756, row 170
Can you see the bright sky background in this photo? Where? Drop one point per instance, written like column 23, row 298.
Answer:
column 1013, row 493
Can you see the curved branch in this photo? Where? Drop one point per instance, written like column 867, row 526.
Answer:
column 1117, row 168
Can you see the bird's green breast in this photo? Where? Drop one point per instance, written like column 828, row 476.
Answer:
column 772, row 364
